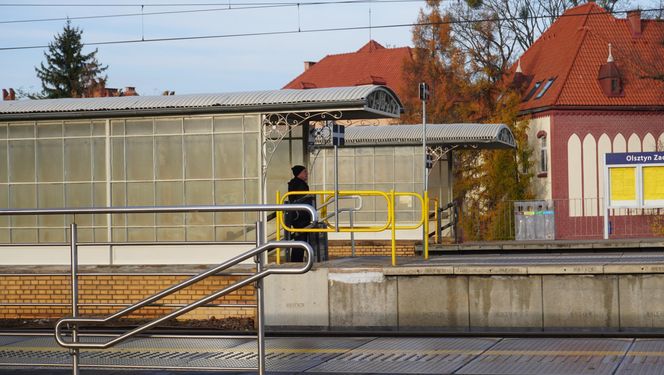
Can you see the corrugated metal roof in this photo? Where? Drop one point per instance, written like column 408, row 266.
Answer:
column 487, row 135
column 243, row 100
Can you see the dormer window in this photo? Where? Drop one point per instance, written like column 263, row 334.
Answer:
column 546, row 87
column 609, row 77
column 532, row 91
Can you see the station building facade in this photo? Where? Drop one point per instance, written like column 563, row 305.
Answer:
column 592, row 85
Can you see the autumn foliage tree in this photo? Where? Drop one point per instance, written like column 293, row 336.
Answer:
column 465, row 88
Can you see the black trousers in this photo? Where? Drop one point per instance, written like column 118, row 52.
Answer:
column 297, row 255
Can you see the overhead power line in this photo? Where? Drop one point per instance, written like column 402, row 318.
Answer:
column 217, row 3
column 226, row 7
column 334, row 29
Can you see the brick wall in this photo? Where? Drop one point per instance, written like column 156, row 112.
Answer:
column 340, row 249
column 111, row 289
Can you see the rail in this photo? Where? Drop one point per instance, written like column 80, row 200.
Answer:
column 74, row 321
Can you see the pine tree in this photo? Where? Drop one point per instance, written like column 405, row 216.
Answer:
column 69, row 72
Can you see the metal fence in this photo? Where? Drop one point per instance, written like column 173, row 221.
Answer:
column 558, row 219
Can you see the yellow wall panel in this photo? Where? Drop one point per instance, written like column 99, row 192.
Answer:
column 653, row 183
column 623, row 184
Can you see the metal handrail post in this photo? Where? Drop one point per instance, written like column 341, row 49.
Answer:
column 74, row 296
column 351, row 213
column 260, row 312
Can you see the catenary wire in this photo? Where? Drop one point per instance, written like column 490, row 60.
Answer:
column 333, row 29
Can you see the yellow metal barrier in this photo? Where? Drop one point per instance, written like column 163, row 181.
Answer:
column 342, row 229
column 391, row 217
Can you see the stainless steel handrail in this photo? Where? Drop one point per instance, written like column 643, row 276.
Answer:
column 257, row 277
column 229, row 263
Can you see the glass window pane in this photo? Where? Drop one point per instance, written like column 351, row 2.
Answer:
column 140, row 234
column 198, row 125
column 50, row 160
column 140, row 194
column 384, row 169
column 117, row 127
column 51, row 196
column 170, row 194
column 23, row 196
column 364, row 169
column 169, row 157
column 251, row 155
column 47, row 235
column 404, row 165
column 223, row 124
column 99, row 128
column 198, row 156
column 99, row 196
column 170, row 234
column 99, row 156
column 227, row 148
column 168, row 126
column 3, row 131
column 4, row 202
column 236, row 233
column 78, row 159
column 139, row 127
column 24, row 235
column 229, row 192
column 119, row 234
column 22, row 161
column 252, row 123
column 46, row 130
column 22, row 130
column 139, row 158
column 118, row 159
column 79, row 195
column 199, row 193
column 4, row 160
column 77, row 129
column 200, row 233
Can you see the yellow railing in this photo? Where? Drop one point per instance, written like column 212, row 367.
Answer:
column 389, row 225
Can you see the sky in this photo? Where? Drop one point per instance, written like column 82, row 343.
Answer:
column 214, row 65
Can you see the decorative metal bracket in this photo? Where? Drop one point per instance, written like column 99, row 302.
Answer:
column 277, row 126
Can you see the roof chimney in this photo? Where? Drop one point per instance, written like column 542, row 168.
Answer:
column 610, row 58
column 308, row 65
column 8, row 95
column 129, row 91
column 634, row 18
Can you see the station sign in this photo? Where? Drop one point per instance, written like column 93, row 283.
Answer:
column 636, row 179
column 633, row 180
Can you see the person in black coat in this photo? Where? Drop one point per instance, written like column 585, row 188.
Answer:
column 299, row 219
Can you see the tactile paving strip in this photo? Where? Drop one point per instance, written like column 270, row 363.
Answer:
column 288, row 354
column 407, row 356
column 550, row 356
column 646, row 357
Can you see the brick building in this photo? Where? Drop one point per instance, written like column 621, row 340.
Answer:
column 592, row 84
column 372, row 64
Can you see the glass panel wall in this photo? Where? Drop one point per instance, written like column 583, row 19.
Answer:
column 162, row 161
column 373, row 168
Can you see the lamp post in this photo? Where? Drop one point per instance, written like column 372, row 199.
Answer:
column 424, row 96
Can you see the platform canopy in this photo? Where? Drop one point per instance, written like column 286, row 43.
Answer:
column 356, row 102
column 481, row 136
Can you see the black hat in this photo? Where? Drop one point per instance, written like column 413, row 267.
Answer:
column 297, row 169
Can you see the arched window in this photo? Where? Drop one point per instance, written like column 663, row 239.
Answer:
column 544, row 161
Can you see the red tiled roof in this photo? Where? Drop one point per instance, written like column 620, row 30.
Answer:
column 574, row 48
column 371, row 64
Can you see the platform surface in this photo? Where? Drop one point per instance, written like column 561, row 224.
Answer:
column 345, row 355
